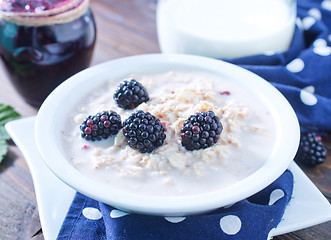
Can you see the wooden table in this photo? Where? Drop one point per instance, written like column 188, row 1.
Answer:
column 125, row 27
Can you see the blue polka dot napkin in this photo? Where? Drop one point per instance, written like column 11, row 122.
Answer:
column 252, row 218
column 303, row 75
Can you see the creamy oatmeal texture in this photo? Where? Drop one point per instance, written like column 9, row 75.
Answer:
column 246, row 141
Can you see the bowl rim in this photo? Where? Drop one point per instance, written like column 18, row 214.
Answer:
column 283, row 153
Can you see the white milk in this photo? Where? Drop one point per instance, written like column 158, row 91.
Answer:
column 225, row 28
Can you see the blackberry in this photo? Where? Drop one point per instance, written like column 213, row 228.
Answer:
column 101, row 126
column 201, row 131
column 143, row 131
column 311, row 149
column 130, row 94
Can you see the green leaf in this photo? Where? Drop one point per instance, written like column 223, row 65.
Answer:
column 7, row 113
column 3, row 149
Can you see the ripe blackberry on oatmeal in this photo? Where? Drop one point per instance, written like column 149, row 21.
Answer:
column 130, row 94
column 101, row 126
column 201, row 131
column 143, row 131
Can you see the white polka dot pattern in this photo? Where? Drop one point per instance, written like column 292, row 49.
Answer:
column 308, row 22
column 322, row 51
column 228, row 206
column 307, row 96
column 230, row 224
column 326, row 4
column 270, row 53
column 299, row 23
column 321, row 47
column 117, row 213
column 320, row 42
column 297, row 65
column 314, row 12
column 275, row 196
column 175, row 219
column 92, row 213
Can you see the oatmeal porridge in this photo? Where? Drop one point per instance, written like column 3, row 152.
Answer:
column 246, row 141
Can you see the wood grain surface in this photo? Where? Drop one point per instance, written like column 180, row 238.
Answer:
column 125, row 27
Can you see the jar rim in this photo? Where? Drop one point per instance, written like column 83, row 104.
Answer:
column 65, row 11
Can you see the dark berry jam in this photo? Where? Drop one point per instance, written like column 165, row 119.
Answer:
column 39, row 58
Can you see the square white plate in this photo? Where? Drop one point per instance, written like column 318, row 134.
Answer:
column 307, row 207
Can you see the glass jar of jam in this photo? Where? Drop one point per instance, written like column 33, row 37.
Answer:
column 44, row 42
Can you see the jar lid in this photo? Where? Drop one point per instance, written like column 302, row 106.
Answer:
column 42, row 12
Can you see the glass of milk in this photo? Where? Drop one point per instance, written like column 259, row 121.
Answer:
column 225, row 28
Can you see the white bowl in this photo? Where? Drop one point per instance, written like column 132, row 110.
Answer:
column 59, row 103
